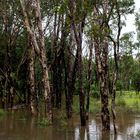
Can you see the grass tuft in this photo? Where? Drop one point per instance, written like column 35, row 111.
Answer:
column 44, row 122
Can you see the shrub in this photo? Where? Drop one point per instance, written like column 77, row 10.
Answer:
column 96, row 94
column 120, row 102
column 43, row 122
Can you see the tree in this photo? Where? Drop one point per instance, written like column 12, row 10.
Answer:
column 78, row 33
column 116, row 14
column 101, row 56
column 136, row 81
column 31, row 78
column 40, row 50
column 89, row 77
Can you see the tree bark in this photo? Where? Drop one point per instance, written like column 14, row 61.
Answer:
column 102, row 69
column 116, row 69
column 101, row 56
column 31, row 79
column 89, row 78
column 78, row 34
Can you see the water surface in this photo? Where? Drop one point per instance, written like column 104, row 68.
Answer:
column 19, row 126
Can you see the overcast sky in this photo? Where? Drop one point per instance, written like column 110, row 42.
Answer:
column 131, row 19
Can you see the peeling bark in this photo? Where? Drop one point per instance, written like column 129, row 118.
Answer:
column 31, row 79
column 101, row 56
column 39, row 46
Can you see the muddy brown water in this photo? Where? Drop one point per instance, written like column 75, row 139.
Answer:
column 19, row 126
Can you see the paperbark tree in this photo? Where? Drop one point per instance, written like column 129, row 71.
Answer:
column 39, row 46
column 31, row 78
column 101, row 56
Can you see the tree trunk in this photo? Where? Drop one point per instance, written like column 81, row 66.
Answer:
column 70, row 78
column 78, row 34
column 102, row 69
column 8, row 80
column 89, row 78
column 80, row 87
column 116, row 68
column 31, row 79
column 101, row 56
column 69, row 67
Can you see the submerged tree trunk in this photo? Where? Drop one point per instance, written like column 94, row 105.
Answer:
column 31, row 79
column 101, row 56
column 102, row 69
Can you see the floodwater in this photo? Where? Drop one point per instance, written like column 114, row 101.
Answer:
column 19, row 126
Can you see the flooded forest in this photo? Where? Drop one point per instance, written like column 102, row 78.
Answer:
column 69, row 70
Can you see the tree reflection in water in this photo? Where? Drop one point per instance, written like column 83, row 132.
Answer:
column 22, row 127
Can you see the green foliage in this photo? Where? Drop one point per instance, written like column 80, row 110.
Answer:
column 95, row 92
column 76, row 104
column 120, row 101
column 119, row 85
column 129, row 100
column 2, row 112
column 138, row 134
column 94, row 105
column 126, row 6
column 127, row 68
column 136, row 80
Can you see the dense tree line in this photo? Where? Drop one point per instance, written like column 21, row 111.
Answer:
column 53, row 48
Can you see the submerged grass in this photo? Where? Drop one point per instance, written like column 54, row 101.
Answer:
column 62, row 118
